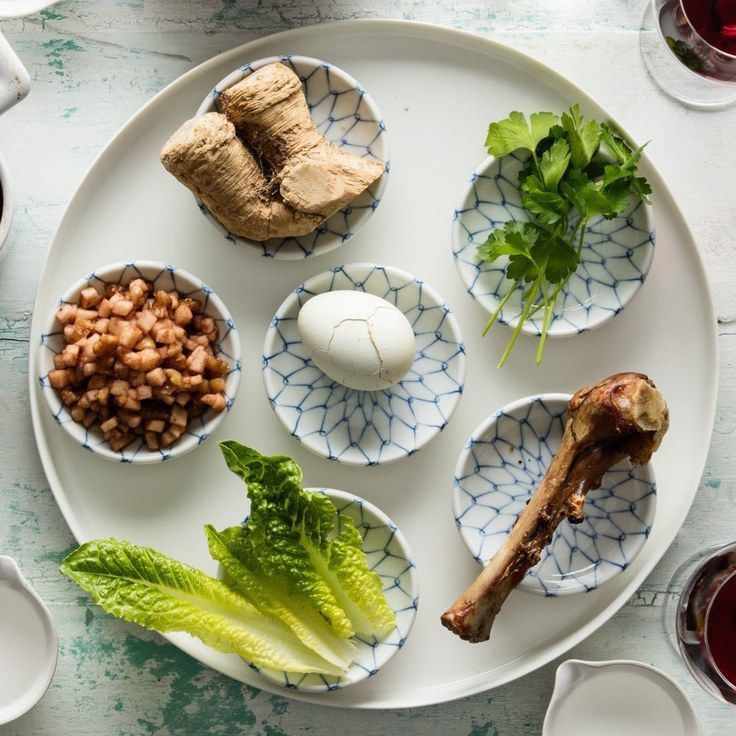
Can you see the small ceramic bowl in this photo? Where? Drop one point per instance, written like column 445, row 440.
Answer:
column 499, row 470
column 617, row 697
column 366, row 427
column 28, row 643
column 163, row 277
column 389, row 556
column 347, row 115
column 614, row 261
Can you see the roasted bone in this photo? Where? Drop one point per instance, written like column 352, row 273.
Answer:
column 622, row 416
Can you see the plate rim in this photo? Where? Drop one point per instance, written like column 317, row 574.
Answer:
column 544, row 653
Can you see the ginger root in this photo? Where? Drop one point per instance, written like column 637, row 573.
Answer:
column 309, row 178
column 206, row 156
column 269, row 109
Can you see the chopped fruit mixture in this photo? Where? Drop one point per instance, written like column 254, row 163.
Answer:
column 138, row 363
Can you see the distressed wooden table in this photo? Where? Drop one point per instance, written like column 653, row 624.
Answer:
column 93, row 64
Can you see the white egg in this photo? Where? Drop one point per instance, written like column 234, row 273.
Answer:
column 357, row 339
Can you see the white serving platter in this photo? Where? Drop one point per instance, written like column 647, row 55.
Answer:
column 438, row 89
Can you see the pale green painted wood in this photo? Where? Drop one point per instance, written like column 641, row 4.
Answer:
column 95, row 63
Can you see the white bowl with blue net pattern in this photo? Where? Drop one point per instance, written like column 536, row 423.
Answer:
column 347, row 116
column 168, row 278
column 389, row 556
column 499, row 470
column 366, row 427
column 614, row 261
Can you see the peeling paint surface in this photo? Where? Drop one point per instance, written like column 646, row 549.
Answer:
column 93, row 64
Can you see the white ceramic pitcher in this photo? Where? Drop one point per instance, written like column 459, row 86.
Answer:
column 14, row 80
column 14, row 86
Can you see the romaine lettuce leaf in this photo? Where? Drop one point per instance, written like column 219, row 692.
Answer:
column 148, row 588
column 299, row 538
column 231, row 549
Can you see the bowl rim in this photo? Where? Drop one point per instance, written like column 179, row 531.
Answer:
column 208, row 105
column 458, row 244
column 551, row 397
column 453, row 326
column 143, row 456
column 414, row 591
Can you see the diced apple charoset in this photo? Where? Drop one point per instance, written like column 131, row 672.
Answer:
column 140, row 364
column 67, row 314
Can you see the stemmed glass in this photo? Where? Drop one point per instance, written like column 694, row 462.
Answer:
column 700, row 619
column 689, row 48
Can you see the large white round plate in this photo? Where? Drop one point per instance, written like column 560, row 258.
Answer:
column 438, row 89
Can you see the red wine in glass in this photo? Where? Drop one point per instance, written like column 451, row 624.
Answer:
column 702, row 35
column 720, row 631
column 715, row 22
column 706, row 621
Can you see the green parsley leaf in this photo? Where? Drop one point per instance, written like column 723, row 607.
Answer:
column 583, row 139
column 615, row 172
column 548, row 206
column 514, row 132
column 618, row 195
column 558, row 256
column 516, row 241
column 642, row 187
column 615, row 144
column 584, row 194
column 621, row 150
column 511, row 239
column 554, row 163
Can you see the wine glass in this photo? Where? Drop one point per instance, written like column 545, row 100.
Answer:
column 700, row 619
column 689, row 48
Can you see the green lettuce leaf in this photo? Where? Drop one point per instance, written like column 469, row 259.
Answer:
column 299, row 538
column 148, row 588
column 232, row 550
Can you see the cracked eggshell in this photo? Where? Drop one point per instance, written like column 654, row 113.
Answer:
column 357, row 339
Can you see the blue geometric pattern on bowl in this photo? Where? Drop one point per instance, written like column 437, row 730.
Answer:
column 389, row 556
column 366, row 427
column 346, row 115
column 614, row 262
column 499, row 470
column 163, row 277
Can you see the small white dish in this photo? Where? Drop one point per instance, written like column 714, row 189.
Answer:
column 19, row 8
column 389, row 556
column 366, row 427
column 500, row 468
column 615, row 698
column 164, row 277
column 7, row 205
column 614, row 261
column 346, row 115
column 28, row 643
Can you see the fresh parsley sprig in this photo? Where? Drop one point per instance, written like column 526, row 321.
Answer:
column 576, row 170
